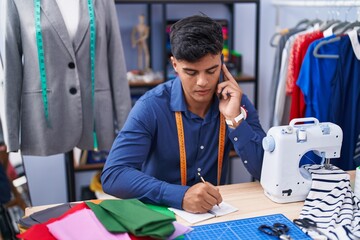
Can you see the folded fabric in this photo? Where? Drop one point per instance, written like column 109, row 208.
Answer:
column 41, row 231
column 161, row 209
column 44, row 215
column 82, row 224
column 133, row 216
column 179, row 230
column 332, row 204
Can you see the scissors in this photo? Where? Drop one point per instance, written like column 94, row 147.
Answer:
column 277, row 229
column 309, row 224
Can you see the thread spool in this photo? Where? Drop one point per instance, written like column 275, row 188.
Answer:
column 357, row 183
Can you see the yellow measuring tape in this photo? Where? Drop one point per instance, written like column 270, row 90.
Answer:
column 180, row 130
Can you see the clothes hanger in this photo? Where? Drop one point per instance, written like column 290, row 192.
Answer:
column 297, row 26
column 322, row 43
column 337, row 29
column 349, row 26
column 272, row 39
column 315, row 21
column 281, row 32
column 301, row 22
column 328, row 24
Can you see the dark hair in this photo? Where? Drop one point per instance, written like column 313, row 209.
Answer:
column 192, row 38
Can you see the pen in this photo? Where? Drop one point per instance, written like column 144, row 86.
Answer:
column 203, row 180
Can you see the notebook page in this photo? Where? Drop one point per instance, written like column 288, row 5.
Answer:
column 223, row 209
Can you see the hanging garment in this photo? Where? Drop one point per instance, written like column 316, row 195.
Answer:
column 345, row 102
column 71, row 110
column 278, row 61
column 332, row 204
column 315, row 79
column 283, row 101
column 300, row 47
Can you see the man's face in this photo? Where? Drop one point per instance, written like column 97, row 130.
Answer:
column 199, row 79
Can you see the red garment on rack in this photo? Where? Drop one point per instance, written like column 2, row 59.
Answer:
column 298, row 51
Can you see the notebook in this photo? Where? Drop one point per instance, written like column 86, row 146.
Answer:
column 217, row 211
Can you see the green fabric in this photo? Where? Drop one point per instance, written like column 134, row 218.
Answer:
column 134, row 216
column 109, row 223
column 161, row 209
column 165, row 211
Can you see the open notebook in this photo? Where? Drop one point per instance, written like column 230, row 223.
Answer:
column 223, row 209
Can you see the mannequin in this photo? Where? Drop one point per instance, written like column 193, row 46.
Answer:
column 83, row 100
column 139, row 38
column 74, row 113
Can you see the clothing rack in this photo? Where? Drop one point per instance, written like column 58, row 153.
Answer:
column 314, row 3
column 319, row 3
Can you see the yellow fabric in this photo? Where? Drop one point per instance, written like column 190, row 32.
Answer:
column 95, row 184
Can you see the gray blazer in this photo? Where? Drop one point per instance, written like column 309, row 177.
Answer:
column 69, row 88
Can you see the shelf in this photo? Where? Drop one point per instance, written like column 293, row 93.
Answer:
column 186, row 1
column 241, row 78
column 146, row 84
column 89, row 167
column 245, row 78
column 99, row 166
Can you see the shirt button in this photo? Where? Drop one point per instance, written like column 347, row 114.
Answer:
column 245, row 161
column 201, row 147
column 235, row 139
column 73, row 91
column 71, row 65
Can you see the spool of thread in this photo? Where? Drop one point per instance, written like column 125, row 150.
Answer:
column 357, row 183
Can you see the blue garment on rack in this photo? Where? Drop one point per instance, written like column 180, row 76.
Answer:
column 316, row 75
column 345, row 104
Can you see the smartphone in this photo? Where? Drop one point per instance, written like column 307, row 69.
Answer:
column 221, row 77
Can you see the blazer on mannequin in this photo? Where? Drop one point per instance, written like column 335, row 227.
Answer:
column 71, row 112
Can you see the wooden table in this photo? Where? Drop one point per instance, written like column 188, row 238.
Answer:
column 249, row 198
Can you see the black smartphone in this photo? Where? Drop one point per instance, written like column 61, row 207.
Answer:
column 221, row 77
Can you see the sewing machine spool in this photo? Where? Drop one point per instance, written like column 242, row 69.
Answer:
column 281, row 178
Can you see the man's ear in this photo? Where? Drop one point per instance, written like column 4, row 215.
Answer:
column 174, row 63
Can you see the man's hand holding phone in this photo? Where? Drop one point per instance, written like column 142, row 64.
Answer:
column 229, row 93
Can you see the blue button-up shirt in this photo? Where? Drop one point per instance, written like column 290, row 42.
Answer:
column 144, row 161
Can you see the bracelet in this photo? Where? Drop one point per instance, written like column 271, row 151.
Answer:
column 237, row 119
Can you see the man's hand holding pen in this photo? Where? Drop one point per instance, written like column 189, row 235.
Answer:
column 201, row 198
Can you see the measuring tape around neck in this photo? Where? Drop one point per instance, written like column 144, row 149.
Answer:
column 181, row 139
column 42, row 64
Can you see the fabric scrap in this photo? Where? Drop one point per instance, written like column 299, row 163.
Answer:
column 332, row 204
column 119, row 214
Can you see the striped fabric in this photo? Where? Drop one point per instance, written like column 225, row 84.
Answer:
column 332, row 204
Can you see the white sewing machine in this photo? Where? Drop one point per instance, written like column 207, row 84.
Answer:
column 281, row 178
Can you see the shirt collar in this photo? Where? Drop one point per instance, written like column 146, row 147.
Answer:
column 177, row 101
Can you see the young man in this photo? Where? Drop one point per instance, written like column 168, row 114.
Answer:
column 176, row 130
